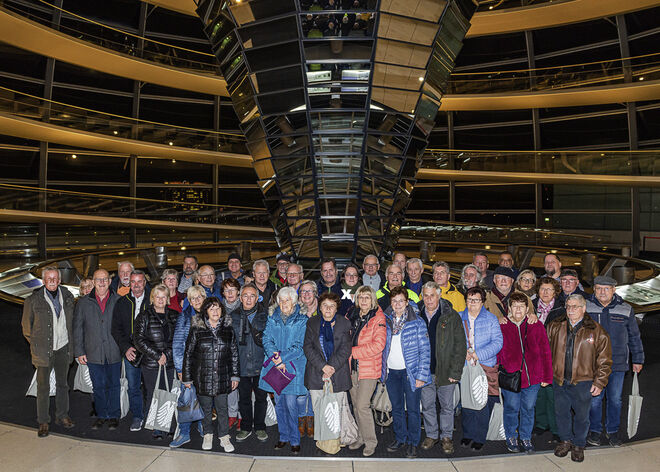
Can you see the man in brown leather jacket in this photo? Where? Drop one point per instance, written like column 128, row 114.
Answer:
column 582, row 362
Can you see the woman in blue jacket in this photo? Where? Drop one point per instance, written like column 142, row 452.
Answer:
column 196, row 295
column 484, row 338
column 406, row 369
column 283, row 341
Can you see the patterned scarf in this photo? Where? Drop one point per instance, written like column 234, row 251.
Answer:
column 543, row 310
column 397, row 323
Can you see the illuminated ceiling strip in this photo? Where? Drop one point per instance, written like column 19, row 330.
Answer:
column 21, row 216
column 12, row 125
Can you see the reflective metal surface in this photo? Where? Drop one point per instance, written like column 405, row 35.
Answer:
column 336, row 100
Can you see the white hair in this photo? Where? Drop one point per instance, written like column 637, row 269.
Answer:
column 416, row 260
column 262, row 262
column 119, row 264
column 287, row 292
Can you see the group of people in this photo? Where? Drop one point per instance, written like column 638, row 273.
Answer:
column 223, row 332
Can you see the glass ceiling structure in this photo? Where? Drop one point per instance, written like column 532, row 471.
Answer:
column 336, row 105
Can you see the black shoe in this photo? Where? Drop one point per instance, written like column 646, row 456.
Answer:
column 614, row 440
column 593, row 438
column 295, row 450
column 538, row 431
column 280, row 445
column 554, row 439
column 98, row 424
column 394, row 446
column 157, row 435
column 477, row 446
column 465, row 442
column 411, row 452
column 113, row 423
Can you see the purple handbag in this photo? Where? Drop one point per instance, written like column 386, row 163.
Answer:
column 276, row 378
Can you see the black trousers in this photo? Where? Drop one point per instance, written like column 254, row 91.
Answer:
column 246, row 386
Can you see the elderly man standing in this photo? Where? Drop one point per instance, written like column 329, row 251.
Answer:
column 47, row 326
column 121, row 283
column 372, row 275
column 329, row 281
column 449, row 291
column 618, row 319
column 266, row 287
column 394, row 275
column 480, row 260
column 570, row 284
column 234, row 270
column 497, row 300
column 581, row 363
column 94, row 345
column 415, row 276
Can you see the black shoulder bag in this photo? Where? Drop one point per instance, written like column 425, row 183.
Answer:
column 512, row 381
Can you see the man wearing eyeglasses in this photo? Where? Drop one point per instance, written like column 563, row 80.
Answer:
column 372, row 275
column 570, row 284
column 94, row 346
column 206, row 279
column 294, row 275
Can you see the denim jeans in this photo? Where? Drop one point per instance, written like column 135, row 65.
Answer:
column 286, row 410
column 475, row 422
column 404, row 400
column 613, row 392
column 522, row 404
column 221, row 409
column 59, row 362
column 305, row 407
column 135, row 399
column 578, row 398
column 246, row 386
column 105, row 381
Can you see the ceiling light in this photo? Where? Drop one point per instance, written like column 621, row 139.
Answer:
column 115, row 132
column 171, row 143
column 173, row 161
column 641, row 78
column 73, row 156
column 421, row 79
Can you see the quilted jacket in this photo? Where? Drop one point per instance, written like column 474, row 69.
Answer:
column 153, row 334
column 415, row 346
column 211, row 357
column 370, row 343
column 181, row 330
column 487, row 336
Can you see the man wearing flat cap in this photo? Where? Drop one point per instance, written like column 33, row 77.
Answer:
column 618, row 319
column 497, row 299
column 570, row 284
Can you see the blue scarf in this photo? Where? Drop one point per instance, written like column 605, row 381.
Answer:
column 326, row 337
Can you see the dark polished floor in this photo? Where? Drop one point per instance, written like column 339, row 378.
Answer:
column 21, row 410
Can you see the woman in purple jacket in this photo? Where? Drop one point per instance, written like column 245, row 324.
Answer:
column 520, row 336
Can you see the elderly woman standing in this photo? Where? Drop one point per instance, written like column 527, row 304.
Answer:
column 196, row 296
column 230, row 289
column 283, row 346
column 524, row 345
column 211, row 363
column 154, row 330
column 526, row 283
column 369, row 335
column 484, row 338
column 170, row 278
column 405, row 369
column 327, row 348
column 308, row 292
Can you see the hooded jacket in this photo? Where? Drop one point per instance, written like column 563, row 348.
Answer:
column 211, row 357
column 592, row 352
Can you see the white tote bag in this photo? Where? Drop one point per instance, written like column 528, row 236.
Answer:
column 496, row 423
column 163, row 406
column 82, row 380
column 634, row 407
column 474, row 387
column 124, row 401
column 32, row 389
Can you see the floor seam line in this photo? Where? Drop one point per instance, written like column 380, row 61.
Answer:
column 154, row 460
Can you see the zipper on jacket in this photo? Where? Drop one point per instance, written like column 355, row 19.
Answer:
column 529, row 381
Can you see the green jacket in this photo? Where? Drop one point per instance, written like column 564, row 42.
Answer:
column 450, row 347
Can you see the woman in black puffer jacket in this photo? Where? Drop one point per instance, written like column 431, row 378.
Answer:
column 153, row 332
column 211, row 363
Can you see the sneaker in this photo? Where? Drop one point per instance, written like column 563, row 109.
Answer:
column 394, row 446
column 180, row 441
column 527, row 445
column 113, row 423
column 476, row 446
column 411, row 452
column 225, row 443
column 157, row 435
column 614, row 440
column 207, row 443
column 465, row 442
column 447, row 446
column 136, row 424
column 512, row 445
column 98, row 423
column 593, row 438
column 243, row 435
column 262, row 435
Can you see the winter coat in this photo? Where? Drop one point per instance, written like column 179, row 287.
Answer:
column 538, row 359
column 495, row 306
column 453, row 296
column 335, row 288
column 487, row 336
column 153, row 336
column 123, row 321
column 592, row 352
column 447, row 341
column 556, row 311
column 383, row 296
column 287, row 339
column 418, row 290
column 370, row 344
column 92, row 330
column 37, row 323
column 415, row 346
column 211, row 357
column 618, row 321
column 181, row 330
column 341, row 333
column 251, row 353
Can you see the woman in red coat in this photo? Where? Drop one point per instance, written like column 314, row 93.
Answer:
column 536, row 371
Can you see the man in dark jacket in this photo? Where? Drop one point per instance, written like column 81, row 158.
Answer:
column 581, row 363
column 570, row 284
column 126, row 311
column 47, row 326
column 448, row 350
column 234, row 270
column 618, row 320
column 329, row 281
column 94, row 345
column 249, row 322
column 415, row 276
column 265, row 286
